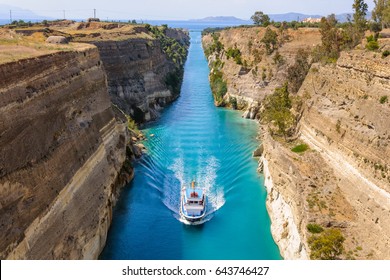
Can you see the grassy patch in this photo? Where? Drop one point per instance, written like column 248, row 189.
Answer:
column 314, row 228
column 300, row 148
column 383, row 99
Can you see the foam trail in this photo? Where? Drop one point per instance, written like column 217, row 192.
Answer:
column 172, row 186
column 205, row 178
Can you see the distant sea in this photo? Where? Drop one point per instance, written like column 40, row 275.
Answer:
column 187, row 24
column 196, row 25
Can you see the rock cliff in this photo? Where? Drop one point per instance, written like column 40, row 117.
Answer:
column 256, row 74
column 144, row 67
column 342, row 180
column 64, row 152
column 346, row 122
column 61, row 152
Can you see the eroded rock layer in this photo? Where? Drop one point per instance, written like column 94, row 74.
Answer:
column 61, row 152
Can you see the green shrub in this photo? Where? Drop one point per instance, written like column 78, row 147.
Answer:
column 372, row 43
column 215, row 47
column 328, row 245
column 300, row 148
column 279, row 59
column 385, row 53
column 297, row 72
column 235, row 54
column 277, row 110
column 233, row 102
column 314, row 228
column 383, row 99
column 338, row 126
column 270, row 40
column 372, row 46
column 218, row 85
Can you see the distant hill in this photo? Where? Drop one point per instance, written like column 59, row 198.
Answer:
column 299, row 17
column 291, row 17
column 221, row 19
column 18, row 13
column 275, row 17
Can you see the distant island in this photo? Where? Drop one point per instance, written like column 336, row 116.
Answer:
column 220, row 19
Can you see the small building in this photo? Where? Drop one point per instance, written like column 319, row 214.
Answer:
column 311, row 20
column 93, row 20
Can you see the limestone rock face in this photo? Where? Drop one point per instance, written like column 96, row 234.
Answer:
column 61, row 151
column 251, row 83
column 346, row 120
column 137, row 70
column 343, row 180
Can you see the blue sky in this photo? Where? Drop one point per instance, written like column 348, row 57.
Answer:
column 180, row 9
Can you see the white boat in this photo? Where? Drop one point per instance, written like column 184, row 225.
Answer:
column 193, row 204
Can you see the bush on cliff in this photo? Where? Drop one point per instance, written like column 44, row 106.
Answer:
column 277, row 111
column 372, row 43
column 270, row 40
column 233, row 103
column 234, row 53
column 173, row 80
column 174, row 50
column 328, row 245
column 218, row 86
column 314, row 228
column 297, row 72
column 215, row 47
column 300, row 148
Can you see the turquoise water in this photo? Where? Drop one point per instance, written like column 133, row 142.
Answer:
column 194, row 140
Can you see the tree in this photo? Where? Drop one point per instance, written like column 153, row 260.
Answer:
column 359, row 17
column 297, row 72
column 270, row 40
column 386, row 15
column 277, row 110
column 326, row 246
column 381, row 13
column 259, row 18
column 331, row 37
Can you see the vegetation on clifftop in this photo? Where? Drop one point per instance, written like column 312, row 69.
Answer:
column 175, row 51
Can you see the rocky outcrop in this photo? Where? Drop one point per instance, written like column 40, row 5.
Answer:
column 136, row 71
column 258, row 74
column 142, row 77
column 56, row 40
column 62, row 149
column 285, row 225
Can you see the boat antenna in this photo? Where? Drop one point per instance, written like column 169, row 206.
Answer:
column 193, row 184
